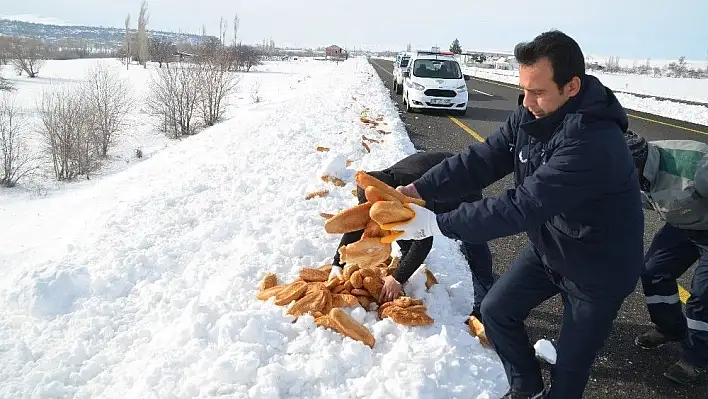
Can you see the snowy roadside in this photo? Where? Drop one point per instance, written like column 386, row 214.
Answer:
column 148, row 287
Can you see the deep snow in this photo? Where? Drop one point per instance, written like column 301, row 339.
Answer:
column 142, row 283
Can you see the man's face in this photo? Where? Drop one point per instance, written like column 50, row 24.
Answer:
column 541, row 94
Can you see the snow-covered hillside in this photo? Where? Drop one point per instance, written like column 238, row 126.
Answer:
column 36, row 19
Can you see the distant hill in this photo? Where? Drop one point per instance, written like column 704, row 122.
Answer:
column 107, row 38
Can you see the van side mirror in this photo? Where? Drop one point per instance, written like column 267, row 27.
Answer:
column 406, row 74
column 467, row 77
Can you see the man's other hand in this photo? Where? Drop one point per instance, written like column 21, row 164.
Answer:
column 391, row 290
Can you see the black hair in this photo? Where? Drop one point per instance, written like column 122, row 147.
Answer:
column 564, row 53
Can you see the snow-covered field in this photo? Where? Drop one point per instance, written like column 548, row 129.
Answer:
column 141, row 283
column 673, row 88
column 695, row 90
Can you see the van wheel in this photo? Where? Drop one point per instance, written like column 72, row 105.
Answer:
column 463, row 112
column 408, row 106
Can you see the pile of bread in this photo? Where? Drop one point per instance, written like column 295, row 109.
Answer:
column 311, row 293
column 368, row 261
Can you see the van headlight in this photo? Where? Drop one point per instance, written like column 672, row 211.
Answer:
column 417, row 86
column 461, row 89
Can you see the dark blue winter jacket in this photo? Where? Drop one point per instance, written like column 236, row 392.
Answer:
column 576, row 191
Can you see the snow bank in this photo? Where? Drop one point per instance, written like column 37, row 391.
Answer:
column 143, row 283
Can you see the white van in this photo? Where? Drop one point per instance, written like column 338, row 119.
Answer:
column 399, row 66
column 435, row 81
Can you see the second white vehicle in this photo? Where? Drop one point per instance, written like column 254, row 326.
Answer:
column 399, row 66
column 435, row 80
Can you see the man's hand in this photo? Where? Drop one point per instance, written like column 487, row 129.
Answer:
column 423, row 225
column 391, row 290
column 335, row 272
column 409, row 190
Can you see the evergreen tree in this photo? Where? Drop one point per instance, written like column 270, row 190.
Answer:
column 455, row 47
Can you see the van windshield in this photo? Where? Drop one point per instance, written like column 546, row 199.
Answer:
column 437, row 69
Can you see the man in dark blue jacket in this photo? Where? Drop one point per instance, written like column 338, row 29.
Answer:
column 576, row 196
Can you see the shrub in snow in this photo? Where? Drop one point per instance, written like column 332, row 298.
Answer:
column 216, row 82
column 109, row 97
column 17, row 162
column 66, row 125
column 174, row 98
column 5, row 85
column 255, row 92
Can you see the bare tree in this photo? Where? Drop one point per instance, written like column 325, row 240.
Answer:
column 161, row 51
column 17, row 161
column 126, row 42
column 27, row 56
column 223, row 27
column 236, row 26
column 143, row 52
column 248, row 57
column 215, row 84
column 109, row 100
column 5, row 49
column 242, row 57
column 679, row 69
column 612, row 64
column 174, row 98
column 66, row 123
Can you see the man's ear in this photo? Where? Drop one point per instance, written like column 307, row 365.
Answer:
column 572, row 88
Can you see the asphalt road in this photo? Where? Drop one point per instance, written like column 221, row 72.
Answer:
column 621, row 369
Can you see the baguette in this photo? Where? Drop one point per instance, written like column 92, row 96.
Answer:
column 374, row 194
column 349, row 327
column 348, row 220
column 386, row 212
column 367, row 252
column 365, row 180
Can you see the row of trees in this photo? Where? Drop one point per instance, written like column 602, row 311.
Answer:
column 79, row 123
column 77, row 126
column 186, row 91
column 679, row 68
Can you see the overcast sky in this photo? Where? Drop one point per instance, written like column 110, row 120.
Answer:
column 626, row 28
